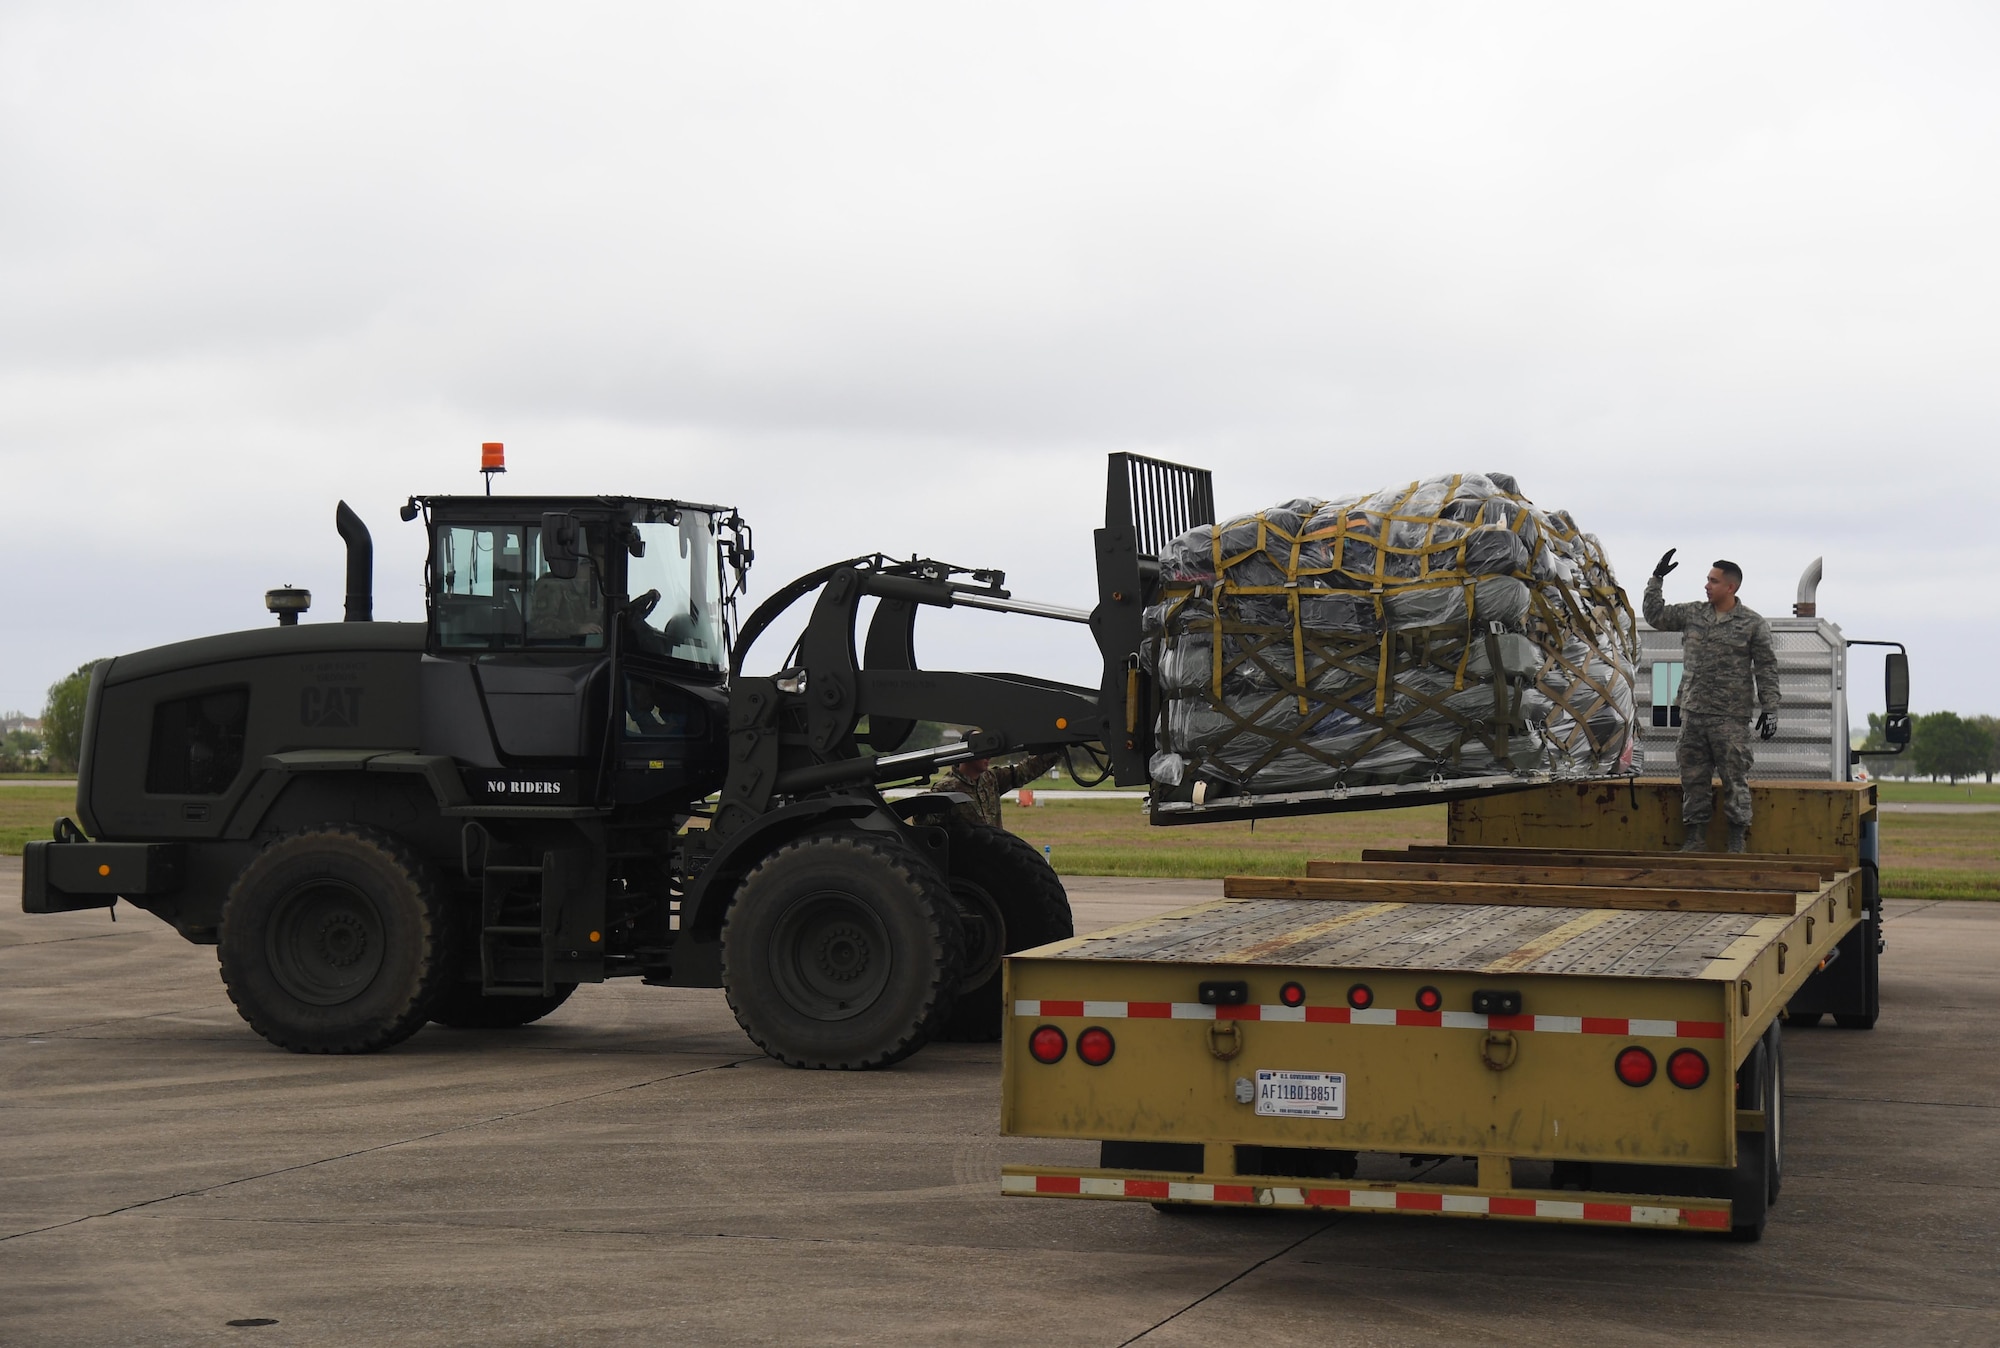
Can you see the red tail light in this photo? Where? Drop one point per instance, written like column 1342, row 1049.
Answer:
column 1687, row 1069
column 1292, row 994
column 1636, row 1066
column 1048, row 1044
column 1429, row 999
column 1359, row 997
column 1095, row 1046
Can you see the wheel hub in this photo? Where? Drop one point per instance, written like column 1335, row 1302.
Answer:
column 843, row 952
column 325, row 942
column 830, row 955
column 984, row 929
column 342, row 940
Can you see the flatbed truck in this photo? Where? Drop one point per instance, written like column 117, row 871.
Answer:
column 1560, row 1016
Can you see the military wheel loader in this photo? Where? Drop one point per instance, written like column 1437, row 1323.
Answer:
column 564, row 775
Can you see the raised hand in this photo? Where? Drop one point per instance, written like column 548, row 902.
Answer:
column 1667, row 562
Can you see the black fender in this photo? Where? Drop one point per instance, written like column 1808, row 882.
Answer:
column 697, row 953
column 277, row 771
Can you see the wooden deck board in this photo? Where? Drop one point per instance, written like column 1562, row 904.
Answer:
column 1482, row 893
column 1825, row 866
column 1445, row 937
column 1630, row 876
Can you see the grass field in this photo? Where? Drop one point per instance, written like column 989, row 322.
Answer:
column 1924, row 856
column 1940, row 793
column 1111, row 837
column 30, row 812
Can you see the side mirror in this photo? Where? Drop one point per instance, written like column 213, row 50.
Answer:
column 559, row 535
column 1896, row 698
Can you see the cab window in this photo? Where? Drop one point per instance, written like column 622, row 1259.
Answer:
column 493, row 590
column 675, row 584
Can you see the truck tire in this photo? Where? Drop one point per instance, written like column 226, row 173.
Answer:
column 335, row 940
column 1009, row 899
column 839, row 949
column 463, row 1007
column 1871, row 954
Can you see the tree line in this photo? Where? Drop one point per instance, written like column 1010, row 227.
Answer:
column 1942, row 744
column 55, row 749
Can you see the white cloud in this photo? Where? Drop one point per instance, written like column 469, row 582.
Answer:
column 899, row 276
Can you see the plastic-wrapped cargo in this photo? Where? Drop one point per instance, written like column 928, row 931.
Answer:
column 1446, row 629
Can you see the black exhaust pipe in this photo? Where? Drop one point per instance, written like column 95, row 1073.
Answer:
column 360, row 565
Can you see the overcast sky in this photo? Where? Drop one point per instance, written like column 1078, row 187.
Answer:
column 1720, row 277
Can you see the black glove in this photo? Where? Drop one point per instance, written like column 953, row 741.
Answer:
column 1767, row 726
column 1667, row 562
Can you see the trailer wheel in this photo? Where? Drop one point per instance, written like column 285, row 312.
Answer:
column 463, row 1007
column 1774, row 1108
column 334, row 941
column 1754, row 1182
column 838, row 950
column 1009, row 899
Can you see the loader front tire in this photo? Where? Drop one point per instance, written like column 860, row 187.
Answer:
column 334, row 941
column 839, row 949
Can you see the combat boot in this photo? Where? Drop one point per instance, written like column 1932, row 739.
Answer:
column 1697, row 838
column 1736, row 836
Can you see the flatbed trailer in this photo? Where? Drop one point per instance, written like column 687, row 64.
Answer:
column 1569, row 1033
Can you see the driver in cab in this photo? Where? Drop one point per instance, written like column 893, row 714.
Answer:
column 566, row 609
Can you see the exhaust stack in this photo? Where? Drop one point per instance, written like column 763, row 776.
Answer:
column 360, row 565
column 1808, row 601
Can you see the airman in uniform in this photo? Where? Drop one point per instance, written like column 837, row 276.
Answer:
column 1729, row 668
column 986, row 782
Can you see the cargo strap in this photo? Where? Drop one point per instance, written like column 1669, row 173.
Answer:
column 1311, row 662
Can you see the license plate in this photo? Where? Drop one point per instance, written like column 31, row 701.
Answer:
column 1302, row 1095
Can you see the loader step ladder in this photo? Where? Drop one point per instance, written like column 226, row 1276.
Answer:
column 517, row 929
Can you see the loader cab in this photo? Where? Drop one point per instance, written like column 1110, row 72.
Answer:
column 577, row 647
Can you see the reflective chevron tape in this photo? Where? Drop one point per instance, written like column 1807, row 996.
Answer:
column 1376, row 1200
column 1621, row 1026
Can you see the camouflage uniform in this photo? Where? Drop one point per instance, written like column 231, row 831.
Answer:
column 987, row 787
column 559, row 608
column 1723, row 652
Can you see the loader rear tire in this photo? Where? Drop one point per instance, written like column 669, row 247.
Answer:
column 839, row 949
column 335, row 940
column 463, row 1007
column 995, row 874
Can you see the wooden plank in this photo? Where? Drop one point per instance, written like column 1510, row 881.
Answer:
column 1792, row 818
column 1542, row 896
column 1826, row 866
column 1825, row 863
column 1633, row 876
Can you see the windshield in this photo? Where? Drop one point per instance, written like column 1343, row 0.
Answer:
column 494, row 591
column 683, row 619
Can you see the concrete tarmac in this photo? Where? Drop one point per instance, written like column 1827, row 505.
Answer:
column 633, row 1171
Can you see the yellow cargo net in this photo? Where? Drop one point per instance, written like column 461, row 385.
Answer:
column 1594, row 612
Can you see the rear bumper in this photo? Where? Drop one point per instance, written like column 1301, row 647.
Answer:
column 63, row 877
column 1438, row 1200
